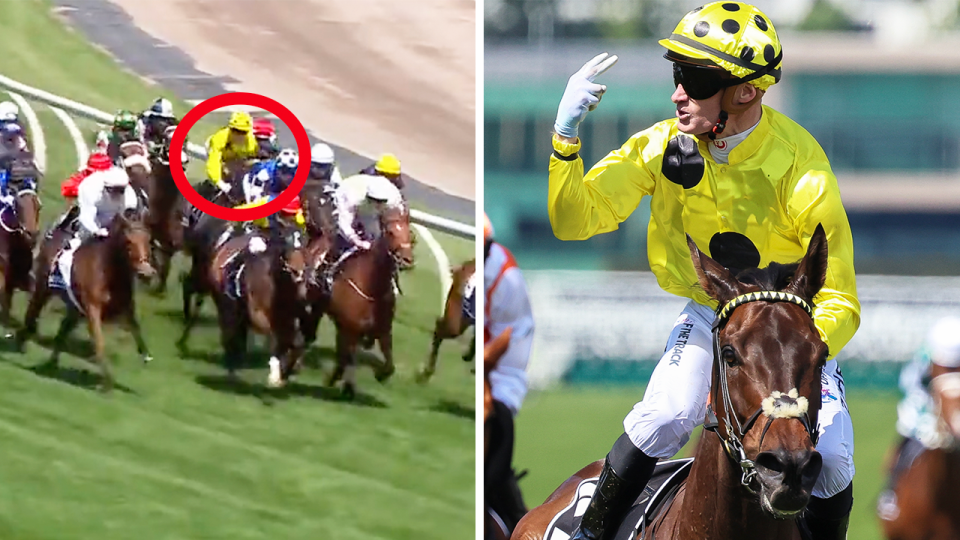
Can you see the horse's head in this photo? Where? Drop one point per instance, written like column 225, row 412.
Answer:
column 136, row 160
column 131, row 228
column 23, row 183
column 395, row 225
column 768, row 356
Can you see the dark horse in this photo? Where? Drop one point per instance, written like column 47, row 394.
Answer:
column 755, row 477
column 494, row 526
column 927, row 504
column 101, row 283
column 164, row 215
column 263, row 291
column 453, row 323
column 19, row 229
column 362, row 300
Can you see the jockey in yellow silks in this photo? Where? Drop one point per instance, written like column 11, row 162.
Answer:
column 736, row 176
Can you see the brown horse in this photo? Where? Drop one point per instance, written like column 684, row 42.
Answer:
column 318, row 210
column 136, row 161
column 263, row 292
column 756, row 476
column 452, row 324
column 928, row 508
column 163, row 218
column 19, row 229
column 101, row 285
column 362, row 300
column 494, row 526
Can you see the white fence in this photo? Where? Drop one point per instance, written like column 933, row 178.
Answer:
column 626, row 316
column 194, row 150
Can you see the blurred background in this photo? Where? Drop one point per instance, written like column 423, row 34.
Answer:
column 876, row 82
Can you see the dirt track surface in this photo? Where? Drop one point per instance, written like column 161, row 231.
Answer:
column 370, row 75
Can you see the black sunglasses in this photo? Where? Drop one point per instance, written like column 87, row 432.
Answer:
column 700, row 82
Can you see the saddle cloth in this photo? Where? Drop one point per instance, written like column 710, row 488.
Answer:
column 667, row 478
column 469, row 307
column 61, row 274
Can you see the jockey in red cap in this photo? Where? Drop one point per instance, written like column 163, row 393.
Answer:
column 97, row 161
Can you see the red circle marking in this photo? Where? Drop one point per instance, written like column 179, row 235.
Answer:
column 224, row 100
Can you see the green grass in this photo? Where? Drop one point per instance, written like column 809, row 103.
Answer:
column 180, row 454
column 547, row 447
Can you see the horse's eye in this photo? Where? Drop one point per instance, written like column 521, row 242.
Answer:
column 729, row 356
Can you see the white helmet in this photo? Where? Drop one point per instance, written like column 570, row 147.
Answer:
column 288, row 159
column 321, row 154
column 9, row 111
column 380, row 191
column 944, row 342
column 162, row 108
column 115, row 177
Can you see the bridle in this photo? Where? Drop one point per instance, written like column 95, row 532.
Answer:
column 795, row 406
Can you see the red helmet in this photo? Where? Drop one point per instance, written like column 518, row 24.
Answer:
column 99, row 161
column 263, row 128
column 291, row 207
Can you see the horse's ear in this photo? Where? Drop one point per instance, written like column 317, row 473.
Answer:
column 812, row 270
column 716, row 280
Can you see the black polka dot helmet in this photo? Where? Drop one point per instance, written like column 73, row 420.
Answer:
column 734, row 36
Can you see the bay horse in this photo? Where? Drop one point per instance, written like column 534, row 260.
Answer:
column 136, row 162
column 19, row 230
column 453, row 323
column 318, row 209
column 163, row 217
column 927, row 505
column 362, row 300
column 263, row 292
column 756, row 476
column 494, row 527
column 101, row 286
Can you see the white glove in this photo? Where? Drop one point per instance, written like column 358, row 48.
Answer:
column 102, row 232
column 224, row 187
column 581, row 95
column 364, row 245
column 7, row 200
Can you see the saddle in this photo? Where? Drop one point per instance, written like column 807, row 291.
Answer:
column 668, row 477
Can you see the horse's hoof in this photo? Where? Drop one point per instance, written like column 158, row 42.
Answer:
column 147, row 358
column 423, row 376
column 274, row 379
column 349, row 392
column 385, row 375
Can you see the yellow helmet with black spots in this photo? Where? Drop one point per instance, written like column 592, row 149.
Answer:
column 734, row 36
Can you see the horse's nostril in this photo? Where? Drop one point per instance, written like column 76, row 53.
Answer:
column 770, row 462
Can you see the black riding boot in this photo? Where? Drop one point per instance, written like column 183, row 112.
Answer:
column 626, row 472
column 827, row 519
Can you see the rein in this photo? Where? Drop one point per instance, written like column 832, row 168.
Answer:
column 777, row 405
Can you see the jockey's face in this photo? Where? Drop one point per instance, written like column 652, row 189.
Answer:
column 285, row 176
column 321, row 171
column 115, row 192
column 237, row 138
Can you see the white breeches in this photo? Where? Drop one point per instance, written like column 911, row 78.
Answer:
column 674, row 402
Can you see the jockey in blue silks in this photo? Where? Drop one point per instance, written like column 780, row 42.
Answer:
column 270, row 178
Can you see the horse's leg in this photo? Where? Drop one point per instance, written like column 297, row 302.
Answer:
column 6, row 297
column 386, row 348
column 67, row 324
column 134, row 326
column 95, row 325
column 233, row 335
column 41, row 293
column 471, row 348
column 430, row 367
column 162, row 259
column 189, row 317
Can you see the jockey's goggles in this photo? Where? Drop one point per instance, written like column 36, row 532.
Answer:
column 701, row 82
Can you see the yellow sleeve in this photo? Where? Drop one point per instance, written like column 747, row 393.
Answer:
column 815, row 199
column 583, row 206
column 215, row 158
column 301, row 221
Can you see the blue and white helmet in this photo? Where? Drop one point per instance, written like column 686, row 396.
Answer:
column 162, row 108
column 288, row 160
column 10, row 129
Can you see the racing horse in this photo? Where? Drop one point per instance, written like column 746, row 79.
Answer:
column 455, row 319
column 19, row 230
column 494, row 526
column 164, row 217
column 755, row 477
column 319, row 209
column 99, row 287
column 362, row 300
column 261, row 291
column 927, row 506
column 136, row 162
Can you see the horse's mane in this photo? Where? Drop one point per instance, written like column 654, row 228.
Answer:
column 775, row 277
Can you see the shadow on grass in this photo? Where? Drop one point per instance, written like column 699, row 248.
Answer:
column 81, row 378
column 453, row 408
column 223, row 383
column 176, row 315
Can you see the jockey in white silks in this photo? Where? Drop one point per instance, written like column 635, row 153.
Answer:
column 361, row 197
column 101, row 197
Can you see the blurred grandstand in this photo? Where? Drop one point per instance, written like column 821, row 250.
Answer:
column 876, row 82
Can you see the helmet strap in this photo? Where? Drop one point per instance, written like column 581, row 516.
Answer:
column 728, row 106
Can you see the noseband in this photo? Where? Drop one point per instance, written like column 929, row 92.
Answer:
column 777, row 405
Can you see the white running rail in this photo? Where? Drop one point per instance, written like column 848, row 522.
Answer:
column 438, row 223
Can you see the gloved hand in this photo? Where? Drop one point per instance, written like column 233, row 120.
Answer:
column 364, row 245
column 102, row 232
column 223, row 186
column 7, row 200
column 581, row 95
